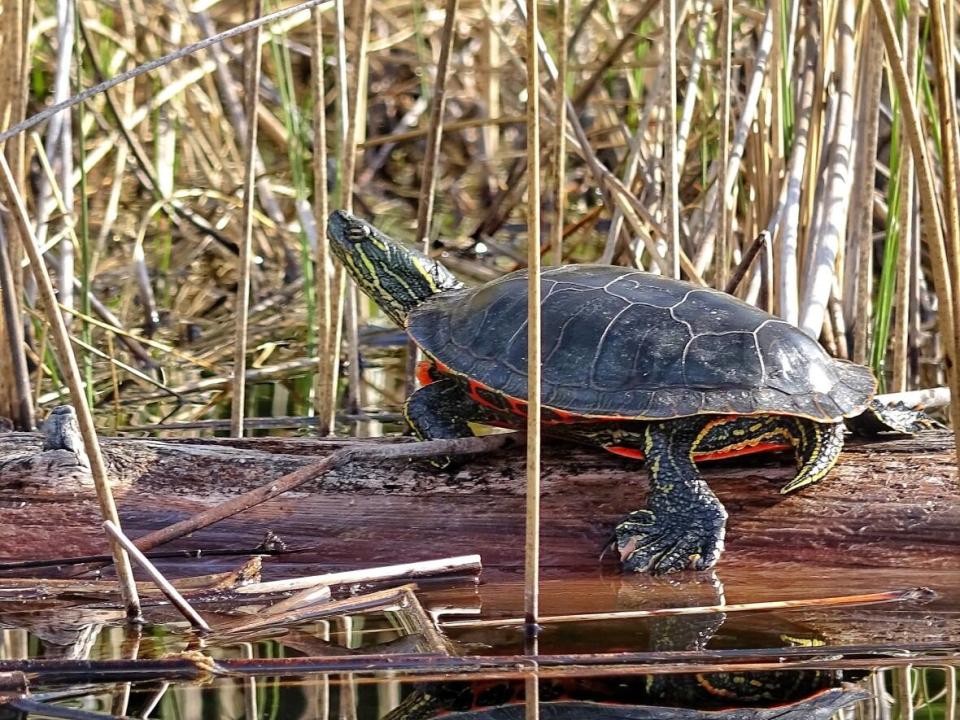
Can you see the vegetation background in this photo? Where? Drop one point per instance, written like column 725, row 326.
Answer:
column 831, row 125
column 181, row 213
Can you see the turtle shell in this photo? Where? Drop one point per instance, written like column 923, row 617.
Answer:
column 620, row 343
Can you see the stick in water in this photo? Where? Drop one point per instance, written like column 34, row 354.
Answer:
column 912, row 594
column 175, row 598
column 462, row 563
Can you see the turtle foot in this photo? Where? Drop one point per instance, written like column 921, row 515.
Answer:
column 671, row 543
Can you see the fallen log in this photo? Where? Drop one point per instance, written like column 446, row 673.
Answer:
column 892, row 503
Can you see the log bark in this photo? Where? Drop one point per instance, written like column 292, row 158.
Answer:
column 892, row 503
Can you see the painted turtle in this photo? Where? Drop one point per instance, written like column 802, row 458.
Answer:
column 639, row 364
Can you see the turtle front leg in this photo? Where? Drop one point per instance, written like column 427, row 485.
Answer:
column 442, row 411
column 683, row 524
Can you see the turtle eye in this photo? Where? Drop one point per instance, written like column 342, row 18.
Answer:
column 358, row 233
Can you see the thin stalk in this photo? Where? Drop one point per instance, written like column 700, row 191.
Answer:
column 24, row 419
column 769, row 147
column 355, row 126
column 701, row 52
column 760, row 242
column 723, row 232
column 60, row 143
column 15, row 22
column 560, row 134
column 671, row 171
column 897, row 239
column 423, row 47
column 788, row 296
column 531, row 591
column 903, row 691
column 531, row 689
column 359, row 387
column 68, row 364
column 293, row 122
column 489, row 81
column 788, row 36
column 905, row 209
column 834, row 201
column 15, row 54
column 323, row 388
column 822, row 119
column 885, row 294
column 330, row 372
column 252, row 52
column 66, row 270
column 861, row 217
column 950, row 700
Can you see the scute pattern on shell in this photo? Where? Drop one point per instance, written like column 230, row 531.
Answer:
column 624, row 343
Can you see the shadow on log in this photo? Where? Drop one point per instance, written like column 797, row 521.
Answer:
column 892, row 503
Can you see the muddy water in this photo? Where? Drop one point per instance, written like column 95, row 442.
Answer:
column 892, row 660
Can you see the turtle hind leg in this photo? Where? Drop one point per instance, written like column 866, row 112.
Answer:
column 684, row 523
column 817, row 446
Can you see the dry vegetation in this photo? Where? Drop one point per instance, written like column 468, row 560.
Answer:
column 831, row 125
column 181, row 213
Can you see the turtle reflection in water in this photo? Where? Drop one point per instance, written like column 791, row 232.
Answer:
column 821, row 705
column 784, row 694
column 642, row 365
column 730, row 694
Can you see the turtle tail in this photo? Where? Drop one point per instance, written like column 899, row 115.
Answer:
column 891, row 417
column 817, row 446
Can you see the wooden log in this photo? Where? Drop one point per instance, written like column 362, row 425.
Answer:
column 887, row 504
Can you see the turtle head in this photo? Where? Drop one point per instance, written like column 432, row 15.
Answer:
column 396, row 277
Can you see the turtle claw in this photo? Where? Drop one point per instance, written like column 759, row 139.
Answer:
column 441, row 463
column 449, row 463
column 648, row 545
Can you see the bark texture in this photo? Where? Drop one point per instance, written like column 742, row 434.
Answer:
column 887, row 504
